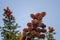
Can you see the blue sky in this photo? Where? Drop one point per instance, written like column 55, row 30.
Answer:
column 23, row 8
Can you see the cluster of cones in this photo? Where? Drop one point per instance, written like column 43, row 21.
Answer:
column 36, row 28
column 7, row 14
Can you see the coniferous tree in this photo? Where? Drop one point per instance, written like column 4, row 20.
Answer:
column 9, row 31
